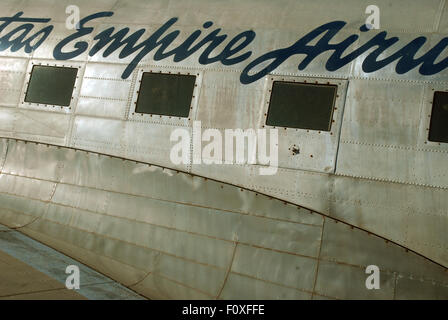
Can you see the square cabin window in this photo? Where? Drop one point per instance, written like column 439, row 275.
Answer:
column 51, row 85
column 438, row 129
column 165, row 94
column 301, row 105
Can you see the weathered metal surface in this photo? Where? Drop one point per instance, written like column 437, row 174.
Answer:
column 170, row 234
column 377, row 171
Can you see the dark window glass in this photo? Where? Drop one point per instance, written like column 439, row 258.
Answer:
column 165, row 94
column 51, row 85
column 438, row 130
column 301, row 105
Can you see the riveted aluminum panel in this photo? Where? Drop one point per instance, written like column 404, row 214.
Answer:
column 104, row 71
column 102, row 172
column 435, row 241
column 132, row 178
column 101, row 104
column 382, row 135
column 35, row 189
column 73, row 196
column 225, row 104
column 150, row 142
column 381, row 112
column 282, row 184
column 99, row 134
column 285, row 181
column 106, row 89
column 348, row 282
column 197, row 220
column 231, row 173
column 310, row 189
column 241, row 287
column 99, row 107
column 12, row 74
column 373, row 205
column 34, row 161
column 38, row 126
column 284, row 236
column 386, row 207
column 161, row 287
column 18, row 211
column 59, row 214
column 21, row 54
column 224, row 225
column 3, row 153
column 7, row 118
column 416, row 289
column 443, row 20
column 165, row 232
column 405, row 165
column 298, row 272
column 174, row 242
column 208, row 279
column 282, row 211
column 340, row 241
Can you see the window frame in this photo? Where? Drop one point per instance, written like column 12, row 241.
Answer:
column 337, row 107
column 51, row 107
column 165, row 119
column 318, row 149
column 432, row 113
column 427, row 106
